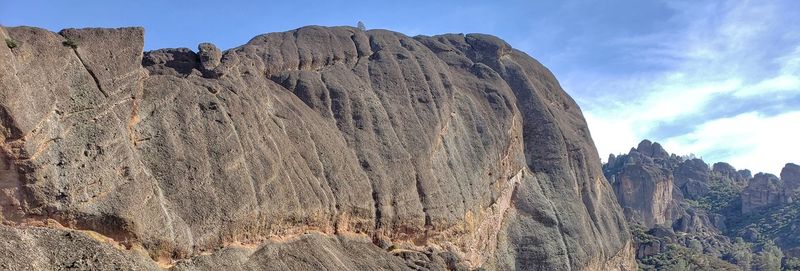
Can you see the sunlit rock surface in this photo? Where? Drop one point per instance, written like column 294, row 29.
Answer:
column 318, row 148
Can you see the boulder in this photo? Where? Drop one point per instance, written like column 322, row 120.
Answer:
column 210, row 57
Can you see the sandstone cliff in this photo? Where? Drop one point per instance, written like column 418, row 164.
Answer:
column 316, row 148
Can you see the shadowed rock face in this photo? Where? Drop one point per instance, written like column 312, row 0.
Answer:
column 692, row 177
column 765, row 190
column 316, row 148
column 790, row 175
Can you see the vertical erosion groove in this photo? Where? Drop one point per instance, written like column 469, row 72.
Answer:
column 391, row 135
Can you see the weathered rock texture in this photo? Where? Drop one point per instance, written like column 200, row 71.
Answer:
column 644, row 184
column 318, row 148
column 765, row 190
column 653, row 187
column 790, row 175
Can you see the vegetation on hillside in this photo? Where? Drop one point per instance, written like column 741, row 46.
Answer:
column 722, row 198
column 710, row 231
column 673, row 256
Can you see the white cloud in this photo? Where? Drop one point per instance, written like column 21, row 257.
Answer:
column 720, row 52
column 752, row 140
column 610, row 135
column 776, row 85
column 617, row 126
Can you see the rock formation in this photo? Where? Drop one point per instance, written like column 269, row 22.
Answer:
column 790, row 175
column 679, row 207
column 653, row 187
column 692, row 177
column 728, row 171
column 318, row 148
column 643, row 184
column 764, row 190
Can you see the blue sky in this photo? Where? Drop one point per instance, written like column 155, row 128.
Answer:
column 720, row 79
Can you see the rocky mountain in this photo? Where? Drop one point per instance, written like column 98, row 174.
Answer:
column 687, row 215
column 318, row 148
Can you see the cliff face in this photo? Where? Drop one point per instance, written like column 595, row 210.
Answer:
column 658, row 193
column 790, row 175
column 765, row 190
column 680, row 208
column 315, row 148
column 644, row 184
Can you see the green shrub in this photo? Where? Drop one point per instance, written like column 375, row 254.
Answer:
column 71, row 43
column 696, row 246
column 792, row 263
column 741, row 254
column 769, row 259
column 677, row 257
column 11, row 43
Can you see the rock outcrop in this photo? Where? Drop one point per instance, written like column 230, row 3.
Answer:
column 727, row 171
column 654, row 188
column 692, row 177
column 644, row 184
column 703, row 209
column 318, row 148
column 790, row 175
column 764, row 190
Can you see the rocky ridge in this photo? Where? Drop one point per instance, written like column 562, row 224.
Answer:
column 317, row 148
column 679, row 200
